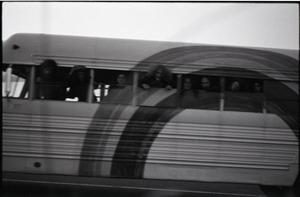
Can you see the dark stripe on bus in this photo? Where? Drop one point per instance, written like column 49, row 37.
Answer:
column 136, row 140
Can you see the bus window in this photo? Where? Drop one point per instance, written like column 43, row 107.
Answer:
column 49, row 81
column 113, row 86
column 157, row 77
column 209, row 83
column 76, row 84
column 61, row 83
column 200, row 92
column 243, row 94
column 18, row 86
column 188, row 92
column 157, row 89
column 281, row 99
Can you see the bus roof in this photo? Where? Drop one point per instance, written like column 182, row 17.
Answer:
column 70, row 50
column 126, row 54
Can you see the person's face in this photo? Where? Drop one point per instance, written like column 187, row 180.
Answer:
column 187, row 84
column 159, row 74
column 48, row 71
column 121, row 79
column 235, row 86
column 205, row 83
column 257, row 87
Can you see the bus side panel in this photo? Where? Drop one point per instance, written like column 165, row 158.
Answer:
column 201, row 145
column 48, row 136
column 225, row 147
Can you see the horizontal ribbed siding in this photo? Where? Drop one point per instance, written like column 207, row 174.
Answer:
column 178, row 144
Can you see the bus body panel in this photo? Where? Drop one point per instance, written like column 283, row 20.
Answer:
column 198, row 145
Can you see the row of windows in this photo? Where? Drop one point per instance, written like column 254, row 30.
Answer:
column 107, row 86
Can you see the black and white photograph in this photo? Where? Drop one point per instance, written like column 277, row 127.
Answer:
column 150, row 99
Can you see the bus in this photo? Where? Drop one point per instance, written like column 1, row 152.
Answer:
column 242, row 129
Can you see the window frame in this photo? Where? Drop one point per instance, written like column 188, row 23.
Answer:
column 23, row 89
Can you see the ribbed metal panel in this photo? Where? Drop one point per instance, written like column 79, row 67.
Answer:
column 227, row 146
column 179, row 143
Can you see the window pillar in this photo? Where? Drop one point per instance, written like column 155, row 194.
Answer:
column 222, row 96
column 32, row 83
column 135, row 88
column 91, row 87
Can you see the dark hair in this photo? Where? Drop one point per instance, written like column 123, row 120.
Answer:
column 49, row 63
column 166, row 72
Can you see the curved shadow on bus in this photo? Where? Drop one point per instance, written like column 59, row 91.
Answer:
column 145, row 123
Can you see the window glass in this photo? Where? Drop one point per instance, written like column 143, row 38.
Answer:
column 157, row 89
column 243, row 94
column 281, row 99
column 233, row 84
column 113, row 86
column 76, row 84
column 18, row 87
column 50, row 81
column 200, row 92
column 53, row 82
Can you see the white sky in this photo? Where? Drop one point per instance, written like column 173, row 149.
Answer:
column 271, row 25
